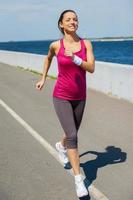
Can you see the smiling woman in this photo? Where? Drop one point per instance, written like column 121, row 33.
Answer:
column 67, row 20
column 75, row 58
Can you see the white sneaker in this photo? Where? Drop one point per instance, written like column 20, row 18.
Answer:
column 62, row 153
column 81, row 190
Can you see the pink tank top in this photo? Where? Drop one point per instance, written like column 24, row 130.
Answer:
column 71, row 80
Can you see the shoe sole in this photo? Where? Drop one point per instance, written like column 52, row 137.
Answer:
column 85, row 194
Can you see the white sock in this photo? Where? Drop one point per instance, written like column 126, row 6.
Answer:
column 78, row 178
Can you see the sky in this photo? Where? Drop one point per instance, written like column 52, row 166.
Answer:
column 37, row 19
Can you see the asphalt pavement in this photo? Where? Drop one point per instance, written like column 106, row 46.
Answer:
column 28, row 171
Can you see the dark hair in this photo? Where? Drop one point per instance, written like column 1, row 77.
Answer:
column 61, row 18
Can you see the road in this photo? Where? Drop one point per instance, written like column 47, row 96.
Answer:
column 29, row 171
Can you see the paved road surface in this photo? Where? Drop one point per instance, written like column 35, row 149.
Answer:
column 29, row 172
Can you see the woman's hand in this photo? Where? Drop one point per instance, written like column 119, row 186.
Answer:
column 40, row 84
column 69, row 53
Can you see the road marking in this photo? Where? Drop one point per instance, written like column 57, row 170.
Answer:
column 92, row 189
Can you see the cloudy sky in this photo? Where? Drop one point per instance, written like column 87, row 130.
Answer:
column 37, row 19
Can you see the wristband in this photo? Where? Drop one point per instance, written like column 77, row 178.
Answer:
column 77, row 60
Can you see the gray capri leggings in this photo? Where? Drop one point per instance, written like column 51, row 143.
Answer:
column 70, row 114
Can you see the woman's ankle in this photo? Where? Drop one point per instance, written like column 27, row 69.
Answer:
column 78, row 177
column 62, row 145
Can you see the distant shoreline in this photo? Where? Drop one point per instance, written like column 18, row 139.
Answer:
column 92, row 39
column 111, row 39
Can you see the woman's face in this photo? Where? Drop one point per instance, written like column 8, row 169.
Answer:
column 69, row 22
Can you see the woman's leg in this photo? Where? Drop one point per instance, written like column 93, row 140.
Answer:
column 78, row 114
column 70, row 122
column 63, row 140
column 73, row 154
column 65, row 113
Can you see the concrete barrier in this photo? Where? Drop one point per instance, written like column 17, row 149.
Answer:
column 110, row 78
column 27, row 61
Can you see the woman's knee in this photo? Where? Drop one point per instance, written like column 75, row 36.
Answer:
column 72, row 142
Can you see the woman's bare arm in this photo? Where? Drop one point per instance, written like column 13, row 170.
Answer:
column 46, row 67
column 90, row 64
column 48, row 60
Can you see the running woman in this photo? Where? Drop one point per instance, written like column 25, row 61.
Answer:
column 75, row 57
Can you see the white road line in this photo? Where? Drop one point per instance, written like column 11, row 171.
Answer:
column 92, row 189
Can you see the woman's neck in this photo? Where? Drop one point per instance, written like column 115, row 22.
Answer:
column 71, row 38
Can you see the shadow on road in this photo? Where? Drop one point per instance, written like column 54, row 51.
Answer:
column 85, row 198
column 112, row 155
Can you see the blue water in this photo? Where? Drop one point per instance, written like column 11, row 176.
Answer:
column 112, row 51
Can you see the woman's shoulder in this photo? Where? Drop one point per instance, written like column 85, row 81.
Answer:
column 87, row 43
column 55, row 44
